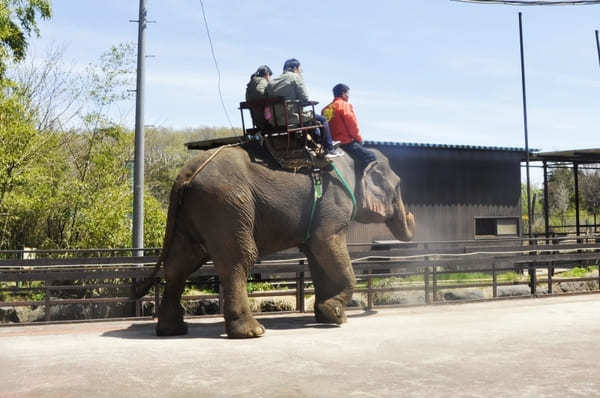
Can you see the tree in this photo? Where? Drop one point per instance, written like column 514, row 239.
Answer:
column 17, row 23
column 166, row 153
column 54, row 93
column 20, row 146
column 559, row 198
column 590, row 192
column 75, row 192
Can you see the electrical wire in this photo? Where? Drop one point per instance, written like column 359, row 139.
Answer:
column 212, row 50
column 534, row 2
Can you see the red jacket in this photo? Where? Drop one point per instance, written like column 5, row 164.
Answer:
column 342, row 121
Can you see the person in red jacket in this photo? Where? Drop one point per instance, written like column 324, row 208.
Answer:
column 344, row 126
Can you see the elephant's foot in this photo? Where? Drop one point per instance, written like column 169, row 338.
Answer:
column 330, row 311
column 244, row 327
column 173, row 329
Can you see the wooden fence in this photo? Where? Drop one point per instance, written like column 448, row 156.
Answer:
column 60, row 277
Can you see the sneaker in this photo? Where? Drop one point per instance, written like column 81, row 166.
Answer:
column 334, row 154
column 336, row 144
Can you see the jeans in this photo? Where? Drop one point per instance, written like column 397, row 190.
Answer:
column 359, row 153
column 325, row 134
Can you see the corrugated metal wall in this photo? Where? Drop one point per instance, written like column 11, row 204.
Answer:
column 436, row 222
column 447, row 188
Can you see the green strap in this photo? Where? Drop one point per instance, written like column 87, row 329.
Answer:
column 318, row 194
column 318, row 190
column 348, row 189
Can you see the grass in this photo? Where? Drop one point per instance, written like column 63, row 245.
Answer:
column 578, row 272
column 29, row 295
column 264, row 286
column 192, row 291
column 458, row 277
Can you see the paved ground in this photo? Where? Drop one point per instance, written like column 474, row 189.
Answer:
column 523, row 348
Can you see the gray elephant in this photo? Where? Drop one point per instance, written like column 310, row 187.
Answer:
column 230, row 209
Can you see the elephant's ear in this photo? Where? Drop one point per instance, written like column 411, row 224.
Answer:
column 377, row 192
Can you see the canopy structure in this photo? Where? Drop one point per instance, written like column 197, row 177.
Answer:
column 580, row 156
column 568, row 158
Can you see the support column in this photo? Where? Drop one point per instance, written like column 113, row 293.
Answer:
column 529, row 213
column 138, row 174
column 576, row 178
column 546, row 202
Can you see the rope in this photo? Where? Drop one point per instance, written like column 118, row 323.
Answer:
column 189, row 180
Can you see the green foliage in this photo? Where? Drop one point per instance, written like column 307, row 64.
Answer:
column 72, row 189
column 454, row 277
column 578, row 272
column 16, row 135
column 263, row 287
column 590, row 191
column 17, row 23
column 113, row 75
column 194, row 291
column 166, row 153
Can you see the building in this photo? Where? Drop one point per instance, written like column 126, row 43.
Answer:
column 456, row 192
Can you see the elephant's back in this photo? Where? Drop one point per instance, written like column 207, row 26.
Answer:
column 224, row 162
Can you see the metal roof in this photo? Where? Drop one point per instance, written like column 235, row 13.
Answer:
column 590, row 155
column 446, row 146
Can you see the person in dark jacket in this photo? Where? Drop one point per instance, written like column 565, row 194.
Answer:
column 290, row 85
column 255, row 89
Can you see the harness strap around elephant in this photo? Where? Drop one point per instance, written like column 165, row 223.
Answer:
column 318, row 194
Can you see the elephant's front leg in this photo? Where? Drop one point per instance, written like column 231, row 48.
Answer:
column 333, row 276
column 239, row 322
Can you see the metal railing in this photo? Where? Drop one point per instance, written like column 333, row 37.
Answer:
column 105, row 276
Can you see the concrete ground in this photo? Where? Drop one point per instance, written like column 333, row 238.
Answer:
column 546, row 347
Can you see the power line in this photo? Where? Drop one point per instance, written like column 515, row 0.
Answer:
column 212, row 50
column 534, row 2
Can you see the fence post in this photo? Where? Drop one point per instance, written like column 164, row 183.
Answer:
column 46, row 301
column 494, row 281
column 550, row 272
column 426, row 281
column 434, row 277
column 156, row 298
column 369, row 292
column 138, row 302
column 300, row 292
column 532, row 279
column 221, row 304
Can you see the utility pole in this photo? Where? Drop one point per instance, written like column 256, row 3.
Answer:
column 525, row 123
column 138, row 173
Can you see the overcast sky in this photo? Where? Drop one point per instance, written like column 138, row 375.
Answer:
column 426, row 71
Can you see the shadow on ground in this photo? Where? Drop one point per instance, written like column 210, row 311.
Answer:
column 216, row 330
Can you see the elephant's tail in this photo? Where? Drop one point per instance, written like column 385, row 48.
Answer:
column 139, row 290
column 182, row 183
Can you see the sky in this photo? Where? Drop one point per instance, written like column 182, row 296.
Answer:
column 425, row 71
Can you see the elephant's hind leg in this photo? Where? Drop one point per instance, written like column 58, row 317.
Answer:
column 333, row 276
column 233, row 273
column 180, row 263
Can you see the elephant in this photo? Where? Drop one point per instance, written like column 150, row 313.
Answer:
column 229, row 208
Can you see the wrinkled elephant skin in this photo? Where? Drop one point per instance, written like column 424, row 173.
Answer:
column 233, row 210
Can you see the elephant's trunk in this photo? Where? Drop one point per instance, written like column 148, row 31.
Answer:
column 402, row 223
